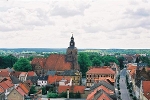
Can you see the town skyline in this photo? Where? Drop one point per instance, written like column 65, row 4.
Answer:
column 94, row 24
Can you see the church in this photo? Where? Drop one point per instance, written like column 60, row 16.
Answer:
column 60, row 63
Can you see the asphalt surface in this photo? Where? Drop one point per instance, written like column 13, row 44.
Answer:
column 123, row 87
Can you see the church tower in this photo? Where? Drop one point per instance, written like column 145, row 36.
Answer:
column 71, row 54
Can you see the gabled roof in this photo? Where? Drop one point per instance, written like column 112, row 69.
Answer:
column 4, row 70
column 23, row 73
column 24, row 87
column 31, row 73
column 4, row 74
column 53, row 79
column 104, row 83
column 41, row 61
column 15, row 73
column 130, row 67
column 146, row 89
column 57, row 62
column 1, row 90
column 74, row 89
column 101, row 95
column 100, row 70
column 4, row 85
column 9, row 83
column 15, row 80
column 20, row 91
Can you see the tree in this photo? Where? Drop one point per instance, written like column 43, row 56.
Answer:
column 22, row 65
column 121, row 59
column 32, row 90
column 96, row 61
column 44, row 91
column 84, row 63
column 30, row 58
column 7, row 61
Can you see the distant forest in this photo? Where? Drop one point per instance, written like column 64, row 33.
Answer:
column 102, row 51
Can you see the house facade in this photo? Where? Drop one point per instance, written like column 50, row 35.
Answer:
column 96, row 74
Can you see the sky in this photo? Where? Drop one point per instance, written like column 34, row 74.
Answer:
column 97, row 24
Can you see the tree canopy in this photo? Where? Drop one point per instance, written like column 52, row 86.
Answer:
column 22, row 65
column 7, row 61
column 84, row 62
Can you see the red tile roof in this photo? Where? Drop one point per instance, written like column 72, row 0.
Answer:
column 23, row 74
column 101, row 70
column 130, row 67
column 57, row 62
column 41, row 61
column 4, row 74
column 55, row 78
column 19, row 89
column 146, row 89
column 74, row 89
column 1, row 90
column 3, row 70
column 15, row 73
column 4, row 85
column 91, row 95
column 24, row 87
column 104, row 96
column 9, row 83
column 31, row 73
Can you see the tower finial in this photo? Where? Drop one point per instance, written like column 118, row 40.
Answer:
column 72, row 35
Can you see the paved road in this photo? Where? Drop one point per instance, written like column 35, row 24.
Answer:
column 123, row 87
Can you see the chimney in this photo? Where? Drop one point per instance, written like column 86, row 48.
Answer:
column 68, row 93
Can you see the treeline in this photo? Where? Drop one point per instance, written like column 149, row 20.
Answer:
column 22, row 64
column 87, row 59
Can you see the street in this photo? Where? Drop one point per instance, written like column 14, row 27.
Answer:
column 123, row 88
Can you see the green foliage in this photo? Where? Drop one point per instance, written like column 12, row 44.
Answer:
column 30, row 58
column 119, row 93
column 44, row 91
column 32, row 90
column 52, row 95
column 145, row 60
column 77, row 95
column 131, row 95
column 120, row 60
column 84, row 62
column 130, row 90
column 63, row 95
column 108, row 59
column 22, row 65
column 7, row 61
column 134, row 98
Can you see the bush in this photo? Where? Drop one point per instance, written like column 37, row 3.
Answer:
column 134, row 98
column 63, row 95
column 130, row 91
column 119, row 93
column 131, row 95
column 52, row 95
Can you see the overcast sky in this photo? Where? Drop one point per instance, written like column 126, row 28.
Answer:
column 94, row 23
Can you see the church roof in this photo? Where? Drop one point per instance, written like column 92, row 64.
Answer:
column 41, row 61
column 57, row 62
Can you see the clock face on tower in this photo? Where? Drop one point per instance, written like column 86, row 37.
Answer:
column 71, row 43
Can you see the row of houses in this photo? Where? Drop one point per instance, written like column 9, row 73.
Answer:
column 139, row 76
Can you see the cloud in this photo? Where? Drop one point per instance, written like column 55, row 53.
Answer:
column 69, row 8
